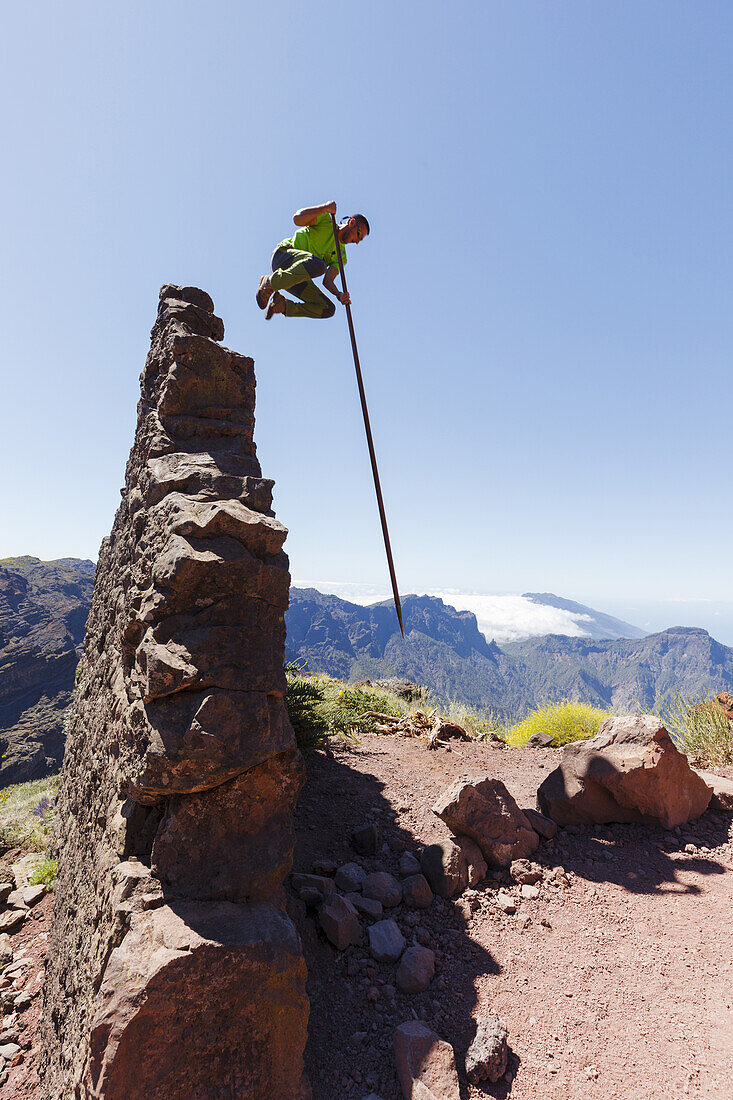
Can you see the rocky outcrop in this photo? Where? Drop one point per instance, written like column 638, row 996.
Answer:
column 43, row 609
column 630, row 771
column 173, row 970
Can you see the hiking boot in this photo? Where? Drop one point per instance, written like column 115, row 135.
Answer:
column 264, row 291
column 275, row 305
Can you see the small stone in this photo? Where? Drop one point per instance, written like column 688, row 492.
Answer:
column 386, row 942
column 6, row 949
column 423, row 936
column 522, row 871
column 366, row 840
column 382, row 887
column 370, row 907
column 324, row 867
column 22, row 1001
column 416, row 970
column 409, row 865
column 349, row 877
column 9, row 1050
column 6, row 889
column 540, row 824
column 340, row 921
column 541, row 740
column 323, row 885
column 372, row 1096
column 506, row 902
column 15, row 899
column 310, row 896
column 12, row 919
column 486, row 1058
column 530, row 892
column 33, row 894
column 416, row 892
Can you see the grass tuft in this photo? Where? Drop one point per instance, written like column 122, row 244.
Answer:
column 566, row 721
column 698, row 726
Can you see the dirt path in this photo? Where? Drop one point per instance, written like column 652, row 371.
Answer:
column 618, row 985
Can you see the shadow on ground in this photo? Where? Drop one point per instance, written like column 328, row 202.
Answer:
column 355, row 1004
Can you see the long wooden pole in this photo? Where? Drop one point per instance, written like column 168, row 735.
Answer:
column 370, row 441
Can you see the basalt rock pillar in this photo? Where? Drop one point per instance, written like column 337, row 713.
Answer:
column 173, row 970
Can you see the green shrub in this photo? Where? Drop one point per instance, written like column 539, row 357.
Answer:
column 44, row 874
column 698, row 726
column 321, row 707
column 565, row 721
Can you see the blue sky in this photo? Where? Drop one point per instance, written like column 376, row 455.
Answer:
column 542, row 308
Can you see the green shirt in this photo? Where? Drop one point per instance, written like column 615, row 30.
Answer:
column 318, row 240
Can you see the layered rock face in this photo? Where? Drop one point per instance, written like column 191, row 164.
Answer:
column 173, row 970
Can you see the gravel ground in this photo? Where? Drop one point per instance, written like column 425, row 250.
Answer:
column 615, row 983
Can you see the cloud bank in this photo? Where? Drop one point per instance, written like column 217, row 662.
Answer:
column 503, row 618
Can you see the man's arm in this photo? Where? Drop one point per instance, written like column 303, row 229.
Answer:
column 332, row 288
column 309, row 214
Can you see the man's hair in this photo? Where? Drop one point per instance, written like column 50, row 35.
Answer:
column 359, row 218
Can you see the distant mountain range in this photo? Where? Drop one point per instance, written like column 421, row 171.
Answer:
column 44, row 606
column 43, row 612
column 445, row 650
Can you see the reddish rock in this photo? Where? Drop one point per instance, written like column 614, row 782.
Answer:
column 180, row 771
column 148, row 1040
column 416, row 892
column 482, row 809
column 425, row 1064
column 630, row 771
column 340, row 921
column 234, row 842
column 416, row 969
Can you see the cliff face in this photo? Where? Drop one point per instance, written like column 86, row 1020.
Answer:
column 173, row 970
column 43, row 609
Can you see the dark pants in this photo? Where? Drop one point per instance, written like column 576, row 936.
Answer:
column 295, row 271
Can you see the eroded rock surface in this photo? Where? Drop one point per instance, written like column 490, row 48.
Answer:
column 173, row 970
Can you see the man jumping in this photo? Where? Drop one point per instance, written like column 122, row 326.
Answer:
column 305, row 256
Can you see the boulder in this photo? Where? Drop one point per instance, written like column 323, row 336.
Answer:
column 425, row 1064
column 244, row 975
column 486, row 1058
column 340, row 921
column 416, row 969
column 482, row 808
column 630, row 771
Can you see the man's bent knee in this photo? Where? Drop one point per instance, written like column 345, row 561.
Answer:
column 329, row 309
